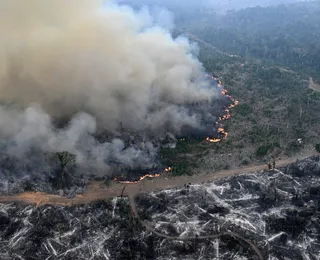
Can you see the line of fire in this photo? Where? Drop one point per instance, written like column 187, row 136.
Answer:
column 221, row 135
column 149, row 175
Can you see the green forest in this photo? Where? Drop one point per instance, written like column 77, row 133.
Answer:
column 284, row 35
column 264, row 57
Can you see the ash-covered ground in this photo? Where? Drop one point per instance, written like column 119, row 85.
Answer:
column 276, row 210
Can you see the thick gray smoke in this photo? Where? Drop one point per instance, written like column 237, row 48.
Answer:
column 101, row 68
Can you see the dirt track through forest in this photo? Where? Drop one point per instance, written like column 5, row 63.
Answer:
column 95, row 191
column 196, row 38
column 313, row 85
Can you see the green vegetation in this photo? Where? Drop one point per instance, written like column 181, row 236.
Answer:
column 283, row 35
column 262, row 150
column 184, row 157
column 266, row 148
column 244, row 109
column 276, row 111
column 245, row 161
column 318, row 148
column 269, row 77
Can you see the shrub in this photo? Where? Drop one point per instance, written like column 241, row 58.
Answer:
column 244, row 109
column 262, row 150
column 245, row 161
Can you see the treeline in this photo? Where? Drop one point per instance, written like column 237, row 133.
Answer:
column 286, row 35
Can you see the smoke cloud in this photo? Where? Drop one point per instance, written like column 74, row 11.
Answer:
column 100, row 68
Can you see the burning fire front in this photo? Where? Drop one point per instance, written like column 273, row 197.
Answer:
column 221, row 133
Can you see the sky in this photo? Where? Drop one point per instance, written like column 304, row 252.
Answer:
column 220, row 5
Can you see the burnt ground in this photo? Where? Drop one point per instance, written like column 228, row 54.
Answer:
column 277, row 210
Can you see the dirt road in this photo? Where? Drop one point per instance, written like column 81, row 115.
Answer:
column 196, row 38
column 313, row 85
column 96, row 192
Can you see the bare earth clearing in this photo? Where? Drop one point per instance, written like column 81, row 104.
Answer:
column 313, row 85
column 96, row 191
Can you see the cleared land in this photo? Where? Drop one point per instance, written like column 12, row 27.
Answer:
column 97, row 192
column 313, row 86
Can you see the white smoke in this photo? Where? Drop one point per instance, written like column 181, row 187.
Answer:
column 101, row 67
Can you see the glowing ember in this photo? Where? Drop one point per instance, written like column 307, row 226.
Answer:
column 224, row 92
column 213, row 140
column 143, row 177
column 223, row 134
column 225, row 117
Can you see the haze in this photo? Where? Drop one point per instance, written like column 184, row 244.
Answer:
column 218, row 5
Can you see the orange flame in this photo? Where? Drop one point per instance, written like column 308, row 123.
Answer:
column 226, row 116
column 222, row 132
column 213, row 140
column 143, row 177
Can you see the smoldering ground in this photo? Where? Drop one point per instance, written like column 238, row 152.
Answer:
column 101, row 68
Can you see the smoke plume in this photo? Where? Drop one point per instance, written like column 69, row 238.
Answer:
column 98, row 68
